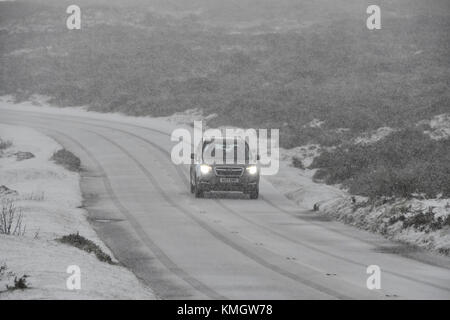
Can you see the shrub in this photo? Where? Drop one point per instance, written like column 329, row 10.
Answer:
column 19, row 282
column 23, row 155
column 87, row 245
column 11, row 220
column 419, row 221
column 5, row 144
column 67, row 159
column 296, row 162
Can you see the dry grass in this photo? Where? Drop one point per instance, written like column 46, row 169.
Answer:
column 11, row 219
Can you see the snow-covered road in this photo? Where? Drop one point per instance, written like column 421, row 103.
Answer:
column 183, row 247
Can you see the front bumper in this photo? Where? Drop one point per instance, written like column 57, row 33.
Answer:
column 212, row 182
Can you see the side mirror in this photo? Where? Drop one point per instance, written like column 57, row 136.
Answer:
column 258, row 157
column 192, row 156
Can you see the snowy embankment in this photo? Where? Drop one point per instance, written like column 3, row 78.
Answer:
column 421, row 222
column 416, row 222
column 48, row 198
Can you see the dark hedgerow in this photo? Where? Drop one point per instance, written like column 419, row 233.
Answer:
column 67, row 159
column 87, row 245
column 405, row 163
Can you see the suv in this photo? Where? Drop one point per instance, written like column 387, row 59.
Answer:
column 224, row 164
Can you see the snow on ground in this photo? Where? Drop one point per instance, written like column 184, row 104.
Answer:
column 39, row 104
column 298, row 185
column 50, row 200
column 439, row 126
column 408, row 221
column 314, row 123
column 305, row 154
column 187, row 117
column 383, row 218
column 374, row 136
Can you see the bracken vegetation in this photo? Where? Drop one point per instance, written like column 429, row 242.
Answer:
column 406, row 163
column 87, row 245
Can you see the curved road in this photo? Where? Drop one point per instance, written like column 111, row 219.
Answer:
column 221, row 247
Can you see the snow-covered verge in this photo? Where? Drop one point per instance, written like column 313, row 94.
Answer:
column 49, row 199
column 421, row 222
column 424, row 223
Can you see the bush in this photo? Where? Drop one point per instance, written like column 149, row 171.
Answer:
column 67, row 159
column 5, row 144
column 87, row 245
column 11, row 220
column 296, row 162
column 20, row 283
column 426, row 221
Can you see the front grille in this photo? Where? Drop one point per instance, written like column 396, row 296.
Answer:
column 229, row 171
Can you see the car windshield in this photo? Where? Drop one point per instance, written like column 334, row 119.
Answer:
column 228, row 151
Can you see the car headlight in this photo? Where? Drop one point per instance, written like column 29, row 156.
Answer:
column 205, row 169
column 252, row 169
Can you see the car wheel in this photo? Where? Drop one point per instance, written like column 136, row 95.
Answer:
column 191, row 182
column 254, row 194
column 198, row 191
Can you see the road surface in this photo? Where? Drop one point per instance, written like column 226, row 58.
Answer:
column 221, row 247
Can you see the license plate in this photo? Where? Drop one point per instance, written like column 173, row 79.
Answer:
column 229, row 180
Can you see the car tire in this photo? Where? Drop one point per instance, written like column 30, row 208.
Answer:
column 254, row 194
column 191, row 184
column 198, row 191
